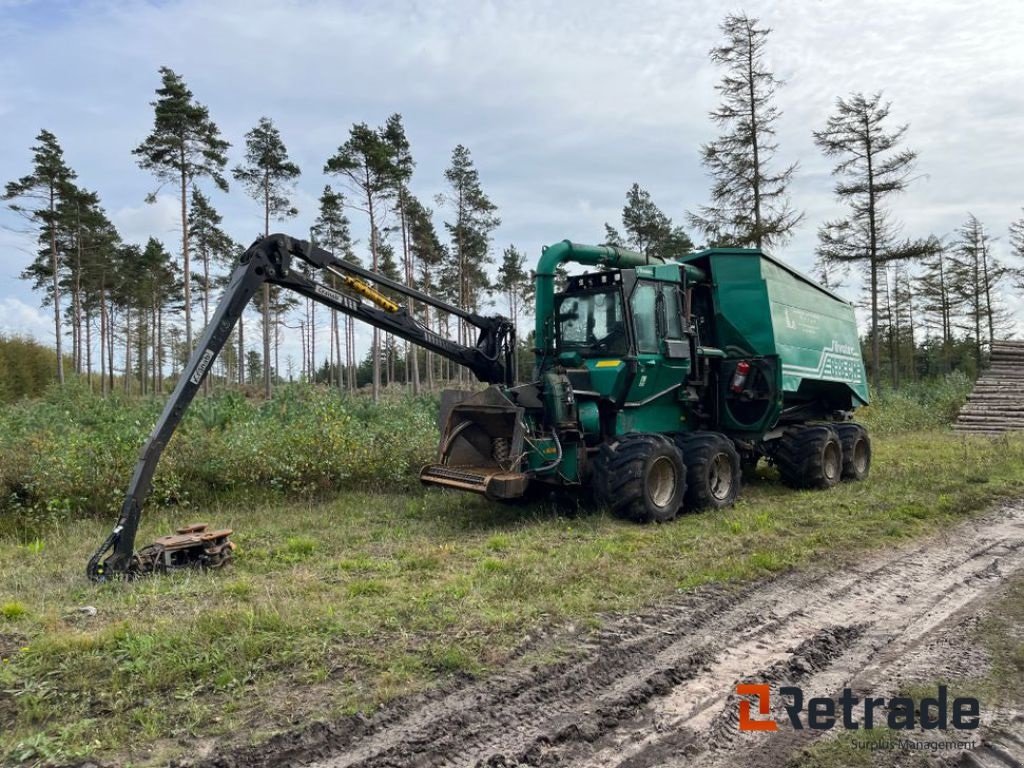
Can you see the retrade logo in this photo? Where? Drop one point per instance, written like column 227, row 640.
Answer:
column 852, row 713
column 763, row 694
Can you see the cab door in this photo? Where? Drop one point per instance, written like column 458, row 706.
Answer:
column 663, row 358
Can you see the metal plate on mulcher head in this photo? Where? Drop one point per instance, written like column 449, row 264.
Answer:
column 193, row 546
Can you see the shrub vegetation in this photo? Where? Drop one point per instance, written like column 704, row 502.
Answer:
column 71, row 453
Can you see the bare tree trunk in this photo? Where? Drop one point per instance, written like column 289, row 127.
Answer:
column 88, row 348
column 876, row 348
column 54, row 266
column 103, row 335
column 159, row 348
column 375, row 344
column 337, row 348
column 988, row 293
column 910, row 328
column 350, row 352
column 76, row 293
column 110, row 348
column 241, row 351
column 429, row 356
column 127, row 350
column 140, row 340
column 411, row 353
column 185, row 255
column 755, row 170
column 267, row 390
column 977, row 310
column 277, row 338
column 208, row 381
column 154, row 362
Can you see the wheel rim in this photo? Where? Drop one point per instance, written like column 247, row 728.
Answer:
column 860, row 456
column 662, row 481
column 831, row 464
column 720, row 477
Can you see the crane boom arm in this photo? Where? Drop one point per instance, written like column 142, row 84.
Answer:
column 271, row 259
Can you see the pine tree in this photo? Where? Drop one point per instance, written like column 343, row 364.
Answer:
column 156, row 287
column 1017, row 249
column 184, row 146
column 365, row 162
column 977, row 275
column 750, row 205
column 613, row 237
column 831, row 274
column 939, row 301
column 515, row 281
column 91, row 241
column 475, row 218
column 648, row 230
column 212, row 246
column 429, row 255
column 36, row 196
column 332, row 231
column 268, row 175
column 389, row 268
column 644, row 222
column 95, row 245
column 402, row 168
column 870, row 169
column 902, row 341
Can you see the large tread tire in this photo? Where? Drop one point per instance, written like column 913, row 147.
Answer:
column 640, row 477
column 713, row 470
column 810, row 456
column 856, row 450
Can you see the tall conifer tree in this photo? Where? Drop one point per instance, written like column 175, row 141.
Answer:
column 749, row 201
column 184, row 146
column 268, row 175
column 871, row 167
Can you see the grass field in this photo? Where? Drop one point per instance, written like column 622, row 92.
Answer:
column 338, row 606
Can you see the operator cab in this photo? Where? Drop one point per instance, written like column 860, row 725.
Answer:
column 591, row 318
column 623, row 312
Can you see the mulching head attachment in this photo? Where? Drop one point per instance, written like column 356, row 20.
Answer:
column 191, row 547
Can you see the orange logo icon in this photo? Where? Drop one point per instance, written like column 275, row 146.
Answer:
column 762, row 692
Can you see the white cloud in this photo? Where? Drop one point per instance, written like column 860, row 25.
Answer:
column 160, row 219
column 20, row 319
column 563, row 105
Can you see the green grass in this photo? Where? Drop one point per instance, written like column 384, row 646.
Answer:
column 339, row 606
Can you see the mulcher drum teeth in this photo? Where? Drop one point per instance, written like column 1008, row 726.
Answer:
column 191, row 547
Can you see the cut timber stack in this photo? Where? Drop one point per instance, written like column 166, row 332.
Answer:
column 997, row 402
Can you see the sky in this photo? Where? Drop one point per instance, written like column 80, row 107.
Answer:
column 563, row 105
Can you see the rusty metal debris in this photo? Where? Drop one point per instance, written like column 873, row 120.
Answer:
column 191, row 547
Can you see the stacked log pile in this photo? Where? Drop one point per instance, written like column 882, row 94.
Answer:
column 997, row 403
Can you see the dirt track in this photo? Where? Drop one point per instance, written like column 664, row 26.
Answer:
column 656, row 689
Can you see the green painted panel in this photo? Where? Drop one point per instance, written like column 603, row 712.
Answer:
column 764, row 307
column 815, row 335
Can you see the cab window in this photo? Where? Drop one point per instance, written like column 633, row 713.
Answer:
column 643, row 302
column 673, row 312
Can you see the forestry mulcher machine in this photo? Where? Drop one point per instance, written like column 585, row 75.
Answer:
column 656, row 383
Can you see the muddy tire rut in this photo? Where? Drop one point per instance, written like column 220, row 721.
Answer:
column 656, row 688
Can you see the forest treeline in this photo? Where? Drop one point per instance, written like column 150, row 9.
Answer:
column 131, row 311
